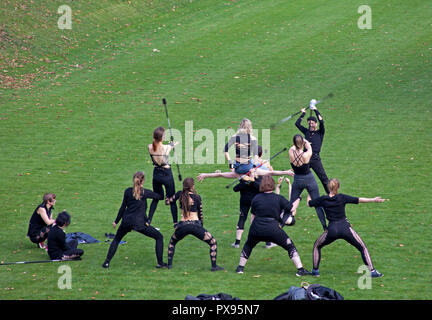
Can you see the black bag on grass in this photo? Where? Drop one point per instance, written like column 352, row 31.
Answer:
column 318, row 292
column 218, row 296
column 310, row 292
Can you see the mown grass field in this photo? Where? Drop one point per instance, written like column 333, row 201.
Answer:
column 78, row 108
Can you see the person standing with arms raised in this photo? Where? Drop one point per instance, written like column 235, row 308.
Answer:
column 315, row 136
column 300, row 154
column 162, row 173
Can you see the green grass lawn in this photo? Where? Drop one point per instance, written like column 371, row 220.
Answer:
column 78, row 108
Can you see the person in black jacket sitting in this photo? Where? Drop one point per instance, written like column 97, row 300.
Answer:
column 58, row 248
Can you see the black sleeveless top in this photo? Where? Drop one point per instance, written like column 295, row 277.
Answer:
column 36, row 222
column 302, row 170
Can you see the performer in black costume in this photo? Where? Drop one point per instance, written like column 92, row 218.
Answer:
column 162, row 173
column 191, row 223
column 315, row 137
column 300, row 154
column 269, row 210
column 339, row 227
column 132, row 212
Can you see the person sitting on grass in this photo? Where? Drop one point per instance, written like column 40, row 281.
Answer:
column 41, row 221
column 58, row 248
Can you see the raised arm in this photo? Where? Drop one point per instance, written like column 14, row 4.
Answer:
column 320, row 119
column 308, row 153
column 299, row 120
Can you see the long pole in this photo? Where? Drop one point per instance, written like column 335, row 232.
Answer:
column 172, row 138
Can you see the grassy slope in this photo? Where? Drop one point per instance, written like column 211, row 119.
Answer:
column 82, row 131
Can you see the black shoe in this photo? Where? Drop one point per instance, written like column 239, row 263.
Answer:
column 376, row 274
column 163, row 265
column 302, row 272
column 240, row 269
column 105, row 265
column 216, row 268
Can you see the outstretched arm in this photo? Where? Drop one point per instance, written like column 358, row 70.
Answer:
column 376, row 199
column 228, row 175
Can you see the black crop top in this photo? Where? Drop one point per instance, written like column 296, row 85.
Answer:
column 302, row 170
column 196, row 206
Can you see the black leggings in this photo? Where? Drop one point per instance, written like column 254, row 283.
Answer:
column 263, row 229
column 308, row 182
column 194, row 228
column 317, row 167
column 149, row 231
column 163, row 177
column 42, row 235
column 245, row 204
column 340, row 230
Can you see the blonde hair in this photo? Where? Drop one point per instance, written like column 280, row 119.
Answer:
column 138, row 180
column 245, row 126
column 333, row 185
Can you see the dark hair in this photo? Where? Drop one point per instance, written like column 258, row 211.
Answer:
column 138, row 180
column 48, row 197
column 188, row 184
column 312, row 118
column 298, row 141
column 157, row 136
column 267, row 184
column 63, row 219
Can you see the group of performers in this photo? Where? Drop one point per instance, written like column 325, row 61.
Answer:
column 259, row 193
